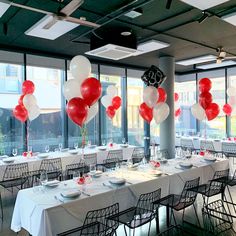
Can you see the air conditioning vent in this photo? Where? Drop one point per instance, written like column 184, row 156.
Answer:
column 112, row 51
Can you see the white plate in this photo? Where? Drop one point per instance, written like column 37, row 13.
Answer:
column 52, row 183
column 8, row 160
column 65, row 150
column 4, row 156
column 92, row 146
column 185, row 165
column 73, row 193
column 74, row 152
column 209, row 159
column 102, row 148
column 117, row 181
column 133, row 166
column 124, row 145
column 156, row 172
column 43, row 155
column 97, row 174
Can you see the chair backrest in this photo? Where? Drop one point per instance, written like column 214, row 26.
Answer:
column 15, row 171
column 228, row 147
column 188, row 195
column 115, row 154
column 186, row 143
column 138, row 154
column 221, row 174
column 71, row 168
column 207, row 145
column 145, row 201
column 106, row 226
column 51, row 165
column 90, row 159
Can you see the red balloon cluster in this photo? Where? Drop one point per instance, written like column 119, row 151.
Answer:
column 20, row 112
column 227, row 109
column 115, row 105
column 178, row 110
column 212, row 110
column 77, row 108
column 146, row 112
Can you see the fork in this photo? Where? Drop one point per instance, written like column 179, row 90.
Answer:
column 58, row 199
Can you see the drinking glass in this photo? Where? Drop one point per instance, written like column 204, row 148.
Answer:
column 14, row 152
column 30, row 148
column 103, row 142
column 89, row 143
column 60, row 147
column 76, row 175
column 123, row 140
column 76, row 145
column 92, row 168
column 43, row 177
column 47, row 149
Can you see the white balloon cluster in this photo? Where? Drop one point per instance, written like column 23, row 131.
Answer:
column 231, row 92
column 198, row 112
column 30, row 103
column 80, row 68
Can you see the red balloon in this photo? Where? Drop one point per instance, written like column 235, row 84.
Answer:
column 146, row 112
column 227, row 109
column 20, row 101
column 20, row 113
column 205, row 99
column 77, row 110
column 212, row 111
column 176, row 97
column 178, row 112
column 162, row 95
column 116, row 102
column 28, row 87
column 91, row 90
column 204, row 85
column 111, row 111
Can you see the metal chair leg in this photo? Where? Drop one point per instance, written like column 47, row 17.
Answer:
column 149, row 228
column 231, row 199
column 195, row 210
column 125, row 231
column 1, row 206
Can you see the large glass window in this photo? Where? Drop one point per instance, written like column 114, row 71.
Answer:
column 74, row 131
column 11, row 78
column 185, row 86
column 134, row 99
column 48, row 76
column 215, row 128
column 111, row 129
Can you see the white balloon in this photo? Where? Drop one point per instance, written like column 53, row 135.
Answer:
column 71, row 89
column 106, row 100
column 231, row 91
column 29, row 101
column 33, row 112
column 198, row 112
column 112, row 91
column 150, row 96
column 80, row 68
column 161, row 112
column 232, row 101
column 92, row 112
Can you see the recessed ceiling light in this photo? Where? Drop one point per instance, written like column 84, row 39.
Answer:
column 59, row 28
column 204, row 4
column 4, row 5
column 215, row 65
column 149, row 46
column 196, row 60
column 126, row 33
column 230, row 18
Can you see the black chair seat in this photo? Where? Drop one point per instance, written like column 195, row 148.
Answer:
column 231, row 182
column 13, row 182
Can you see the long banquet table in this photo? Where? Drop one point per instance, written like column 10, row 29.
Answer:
column 41, row 213
column 68, row 158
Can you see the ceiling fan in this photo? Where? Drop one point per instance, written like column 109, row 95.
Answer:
column 222, row 55
column 62, row 15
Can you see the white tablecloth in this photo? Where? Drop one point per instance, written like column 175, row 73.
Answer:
column 67, row 158
column 41, row 214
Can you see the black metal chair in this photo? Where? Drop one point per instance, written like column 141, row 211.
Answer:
column 53, row 167
column 97, row 222
column 114, row 157
column 229, row 149
column 216, row 219
column 143, row 213
column 208, row 146
column 181, row 202
column 187, row 144
column 138, row 155
column 71, row 168
column 214, row 187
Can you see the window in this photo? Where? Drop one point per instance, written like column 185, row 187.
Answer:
column 74, row 131
column 215, row 128
column 185, row 86
column 134, row 99
column 48, row 76
column 111, row 129
column 11, row 130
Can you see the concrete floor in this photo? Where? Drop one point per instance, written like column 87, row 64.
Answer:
column 9, row 199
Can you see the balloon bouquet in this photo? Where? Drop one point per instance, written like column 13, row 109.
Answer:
column 27, row 108
column 82, row 93
column 205, row 108
column 229, row 107
column 177, row 107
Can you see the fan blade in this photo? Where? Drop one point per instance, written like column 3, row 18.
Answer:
column 230, row 58
column 71, row 7
column 82, row 22
column 222, row 54
column 52, row 22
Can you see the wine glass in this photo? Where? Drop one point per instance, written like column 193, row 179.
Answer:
column 43, row 177
column 89, row 143
column 76, row 145
column 103, row 142
column 76, row 175
column 60, row 147
column 14, row 152
column 92, row 168
column 123, row 140
column 47, row 149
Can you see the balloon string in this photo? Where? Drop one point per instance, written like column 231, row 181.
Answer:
column 27, row 136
